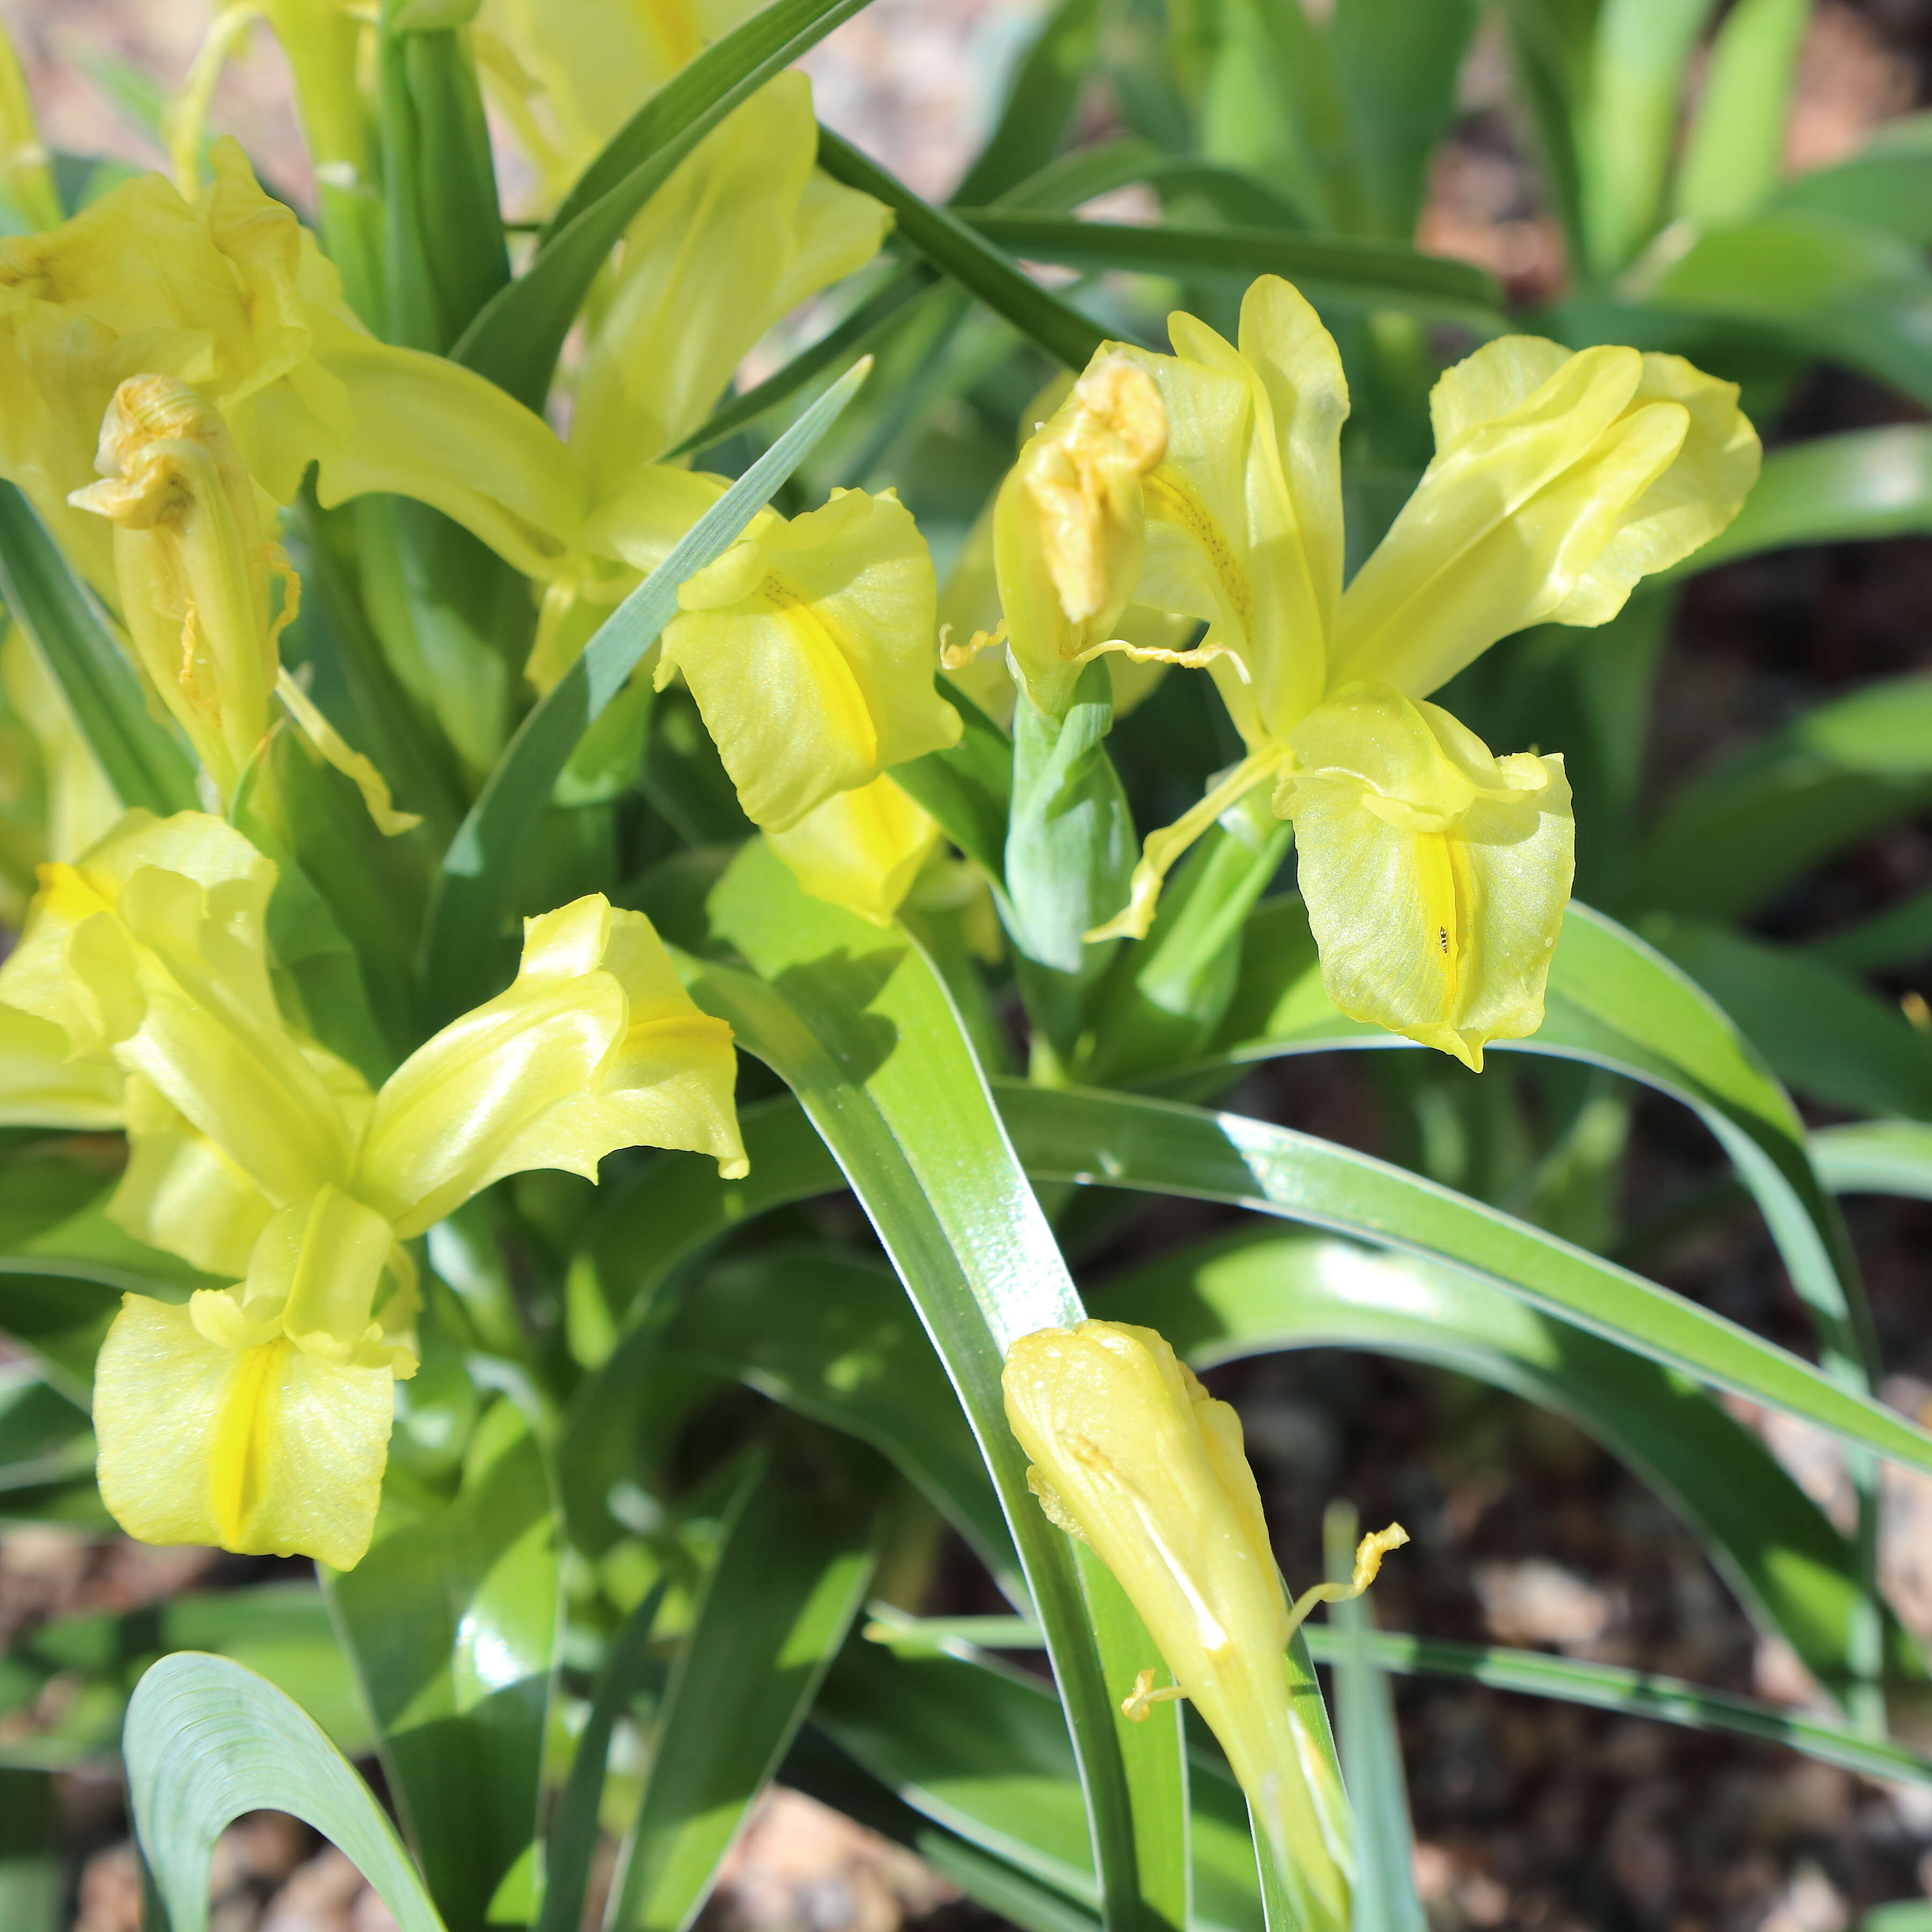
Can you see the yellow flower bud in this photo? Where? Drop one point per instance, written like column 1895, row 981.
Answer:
column 1130, row 1453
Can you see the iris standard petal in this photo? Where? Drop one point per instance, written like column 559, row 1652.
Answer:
column 595, row 1045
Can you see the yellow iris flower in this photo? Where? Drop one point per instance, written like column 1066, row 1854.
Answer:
column 810, row 645
column 257, row 1416
column 232, row 296
column 1070, row 530
column 1129, row 1452
column 1435, row 874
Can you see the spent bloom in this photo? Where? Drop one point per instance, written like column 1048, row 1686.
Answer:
column 1436, row 873
column 1129, row 1452
column 257, row 1416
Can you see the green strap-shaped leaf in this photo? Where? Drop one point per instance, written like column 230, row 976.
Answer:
column 452, row 1622
column 1384, row 1899
column 1338, row 268
column 1736, row 154
column 1829, row 1036
column 460, row 945
column 1153, row 1749
column 1887, row 184
column 139, row 756
column 1609, row 1686
column 575, row 1825
column 1117, row 1141
column 775, row 1610
column 858, row 1024
column 1618, row 1003
column 1046, row 88
column 833, row 1337
column 1729, row 841
column 1635, row 1694
column 207, row 1740
column 1256, row 1292
column 980, row 1746
column 1628, row 131
column 971, row 260
column 1876, row 1157
column 516, row 339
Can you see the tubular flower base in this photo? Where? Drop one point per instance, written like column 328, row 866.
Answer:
column 1129, row 1452
column 1435, row 874
column 257, row 1416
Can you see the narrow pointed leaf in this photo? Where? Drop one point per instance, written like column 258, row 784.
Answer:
column 1116, row 1141
column 791, row 1575
column 859, row 1025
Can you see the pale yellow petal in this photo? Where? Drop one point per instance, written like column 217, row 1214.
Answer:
column 595, row 1045
column 811, row 651
column 860, row 849
column 1127, row 1449
column 1697, row 496
column 1245, row 515
column 1509, row 518
column 40, row 1087
column 1436, row 875
column 422, row 426
column 265, row 1450
column 180, row 1193
column 734, row 239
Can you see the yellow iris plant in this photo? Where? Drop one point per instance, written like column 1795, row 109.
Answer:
column 1435, row 874
column 1129, row 1452
column 257, row 1416
column 231, row 295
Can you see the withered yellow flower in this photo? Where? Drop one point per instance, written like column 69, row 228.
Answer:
column 1069, row 531
column 257, row 1416
column 1436, row 873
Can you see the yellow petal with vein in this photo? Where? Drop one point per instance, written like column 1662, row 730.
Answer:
column 811, row 648
column 1436, row 875
column 265, row 1451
